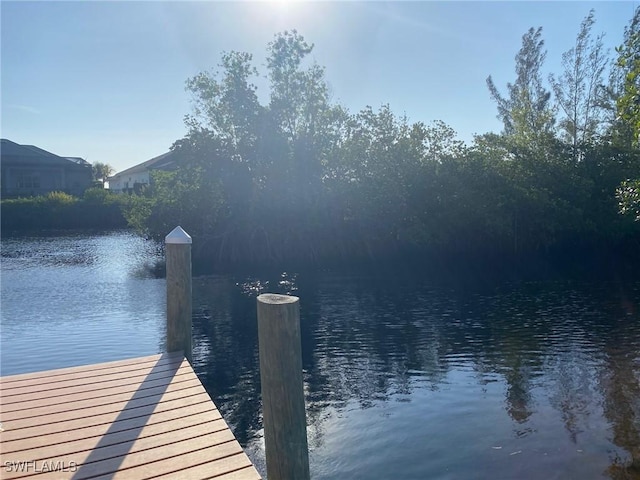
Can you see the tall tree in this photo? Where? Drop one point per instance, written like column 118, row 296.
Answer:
column 577, row 89
column 628, row 63
column 226, row 103
column 628, row 108
column 298, row 96
column 526, row 111
column 101, row 172
column 301, row 119
column 225, row 129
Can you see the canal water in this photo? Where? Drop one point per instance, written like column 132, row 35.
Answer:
column 406, row 376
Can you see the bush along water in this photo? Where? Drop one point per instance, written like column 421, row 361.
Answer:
column 300, row 180
column 96, row 209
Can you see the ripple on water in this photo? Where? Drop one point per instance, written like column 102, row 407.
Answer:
column 404, row 378
column 77, row 299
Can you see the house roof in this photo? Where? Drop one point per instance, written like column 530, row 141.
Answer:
column 10, row 148
column 12, row 151
column 38, row 150
column 78, row 160
column 156, row 163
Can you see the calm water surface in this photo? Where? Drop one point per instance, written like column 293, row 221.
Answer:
column 405, row 377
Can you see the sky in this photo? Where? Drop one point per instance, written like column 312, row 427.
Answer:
column 105, row 81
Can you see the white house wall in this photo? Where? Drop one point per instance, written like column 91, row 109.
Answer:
column 126, row 182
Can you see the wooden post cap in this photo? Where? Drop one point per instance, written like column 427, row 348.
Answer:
column 276, row 299
column 178, row 236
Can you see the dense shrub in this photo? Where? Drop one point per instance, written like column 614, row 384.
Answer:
column 97, row 209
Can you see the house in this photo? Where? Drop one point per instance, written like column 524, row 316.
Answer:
column 133, row 178
column 26, row 170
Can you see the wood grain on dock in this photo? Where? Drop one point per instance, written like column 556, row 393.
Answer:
column 133, row 419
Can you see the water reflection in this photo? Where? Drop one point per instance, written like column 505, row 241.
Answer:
column 531, row 381
column 620, row 381
column 404, row 377
column 77, row 299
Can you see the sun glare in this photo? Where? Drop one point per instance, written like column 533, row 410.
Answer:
column 278, row 15
column 287, row 7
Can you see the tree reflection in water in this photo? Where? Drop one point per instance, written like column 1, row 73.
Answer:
column 370, row 342
column 620, row 381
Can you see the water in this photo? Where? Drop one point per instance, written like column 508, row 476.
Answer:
column 405, row 376
column 75, row 299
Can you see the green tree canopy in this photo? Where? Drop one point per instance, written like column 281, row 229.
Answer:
column 298, row 179
column 101, row 171
column 578, row 88
column 526, row 111
column 628, row 62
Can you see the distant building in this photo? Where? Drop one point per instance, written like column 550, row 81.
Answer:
column 26, row 170
column 134, row 178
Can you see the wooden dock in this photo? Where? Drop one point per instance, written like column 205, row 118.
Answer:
column 141, row 418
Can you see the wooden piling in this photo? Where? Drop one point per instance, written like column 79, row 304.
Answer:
column 284, row 417
column 178, row 257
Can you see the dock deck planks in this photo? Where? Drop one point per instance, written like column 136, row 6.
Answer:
column 141, row 418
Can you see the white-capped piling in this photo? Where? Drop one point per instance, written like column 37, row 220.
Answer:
column 178, row 258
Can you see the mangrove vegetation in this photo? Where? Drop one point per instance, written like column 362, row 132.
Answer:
column 303, row 180
column 300, row 179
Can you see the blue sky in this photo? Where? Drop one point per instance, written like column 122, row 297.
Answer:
column 105, row 80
